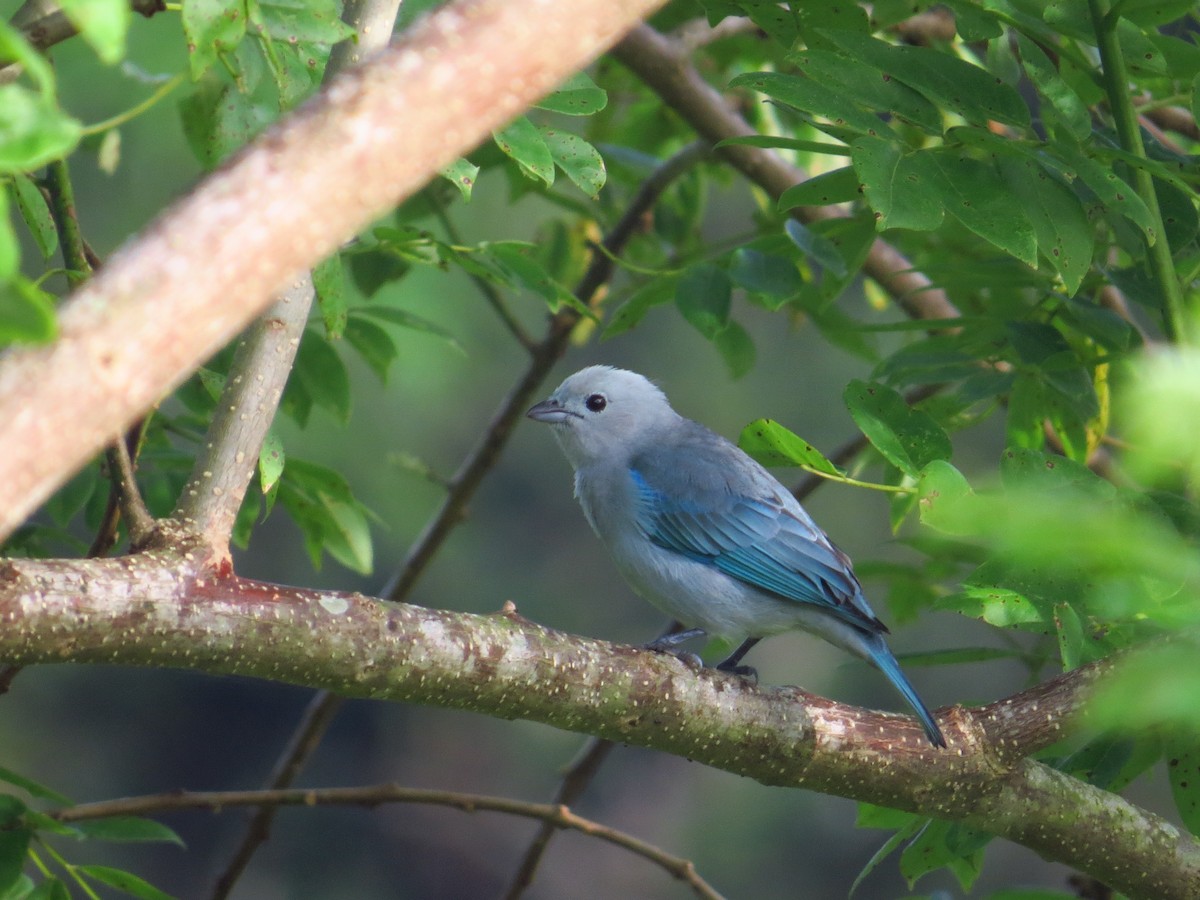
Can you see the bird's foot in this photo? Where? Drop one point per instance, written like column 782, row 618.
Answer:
column 748, row 672
column 687, row 657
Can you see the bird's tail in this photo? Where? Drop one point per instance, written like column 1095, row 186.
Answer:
column 881, row 657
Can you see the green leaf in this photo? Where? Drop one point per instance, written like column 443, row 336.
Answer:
column 946, row 80
column 514, row 263
column 577, row 158
column 219, row 119
column 73, row 496
column 976, row 195
column 737, row 349
column 773, row 445
column 808, row 96
column 1027, row 413
column 766, row 274
column 271, row 462
column 125, row 882
column 402, row 318
column 1183, row 770
column 577, row 96
column 321, row 375
column 901, row 187
column 1103, row 181
column 33, row 130
column 14, row 47
column 33, row 788
column 1111, row 761
column 1053, row 87
column 817, row 247
column 102, row 23
column 523, row 143
column 462, row 175
column 14, row 844
column 905, row 832
column 329, row 282
column 10, row 249
column 945, row 499
column 1149, row 13
column 322, row 504
column 945, row 845
column 295, row 68
column 863, row 85
column 300, row 21
column 1065, row 237
column 630, row 313
column 49, row 889
column 128, row 829
column 1152, row 687
column 36, row 213
column 26, row 313
column 907, row 438
column 212, row 27
column 373, row 344
column 1195, row 95
column 838, row 186
column 703, row 295
column 778, row 22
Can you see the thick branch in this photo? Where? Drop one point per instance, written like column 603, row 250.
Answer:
column 159, row 609
column 214, row 260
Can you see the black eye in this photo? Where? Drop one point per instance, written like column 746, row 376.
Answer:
column 596, row 402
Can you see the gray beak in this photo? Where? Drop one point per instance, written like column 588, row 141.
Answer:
column 550, row 411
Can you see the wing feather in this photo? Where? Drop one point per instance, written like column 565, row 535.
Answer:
column 740, row 520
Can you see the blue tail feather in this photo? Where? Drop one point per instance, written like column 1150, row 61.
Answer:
column 881, row 656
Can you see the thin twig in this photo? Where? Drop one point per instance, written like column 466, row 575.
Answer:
column 133, row 508
column 375, row 795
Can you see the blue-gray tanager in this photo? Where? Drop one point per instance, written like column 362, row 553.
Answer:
column 704, row 532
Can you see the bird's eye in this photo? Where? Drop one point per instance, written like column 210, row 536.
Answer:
column 596, row 403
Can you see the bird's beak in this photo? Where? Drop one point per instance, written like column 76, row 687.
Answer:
column 550, row 411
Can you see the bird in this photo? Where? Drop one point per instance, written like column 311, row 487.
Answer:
column 703, row 532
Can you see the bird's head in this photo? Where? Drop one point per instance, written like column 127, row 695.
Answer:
column 602, row 413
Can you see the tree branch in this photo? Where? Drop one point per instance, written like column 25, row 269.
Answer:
column 228, row 460
column 554, row 815
column 174, row 610
column 212, row 262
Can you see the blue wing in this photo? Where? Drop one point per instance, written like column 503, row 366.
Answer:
column 742, row 522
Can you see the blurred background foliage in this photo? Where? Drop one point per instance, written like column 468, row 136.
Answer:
column 1037, row 510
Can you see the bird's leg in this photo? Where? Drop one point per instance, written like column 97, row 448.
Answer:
column 730, row 663
column 669, row 640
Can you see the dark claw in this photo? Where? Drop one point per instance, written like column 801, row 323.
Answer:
column 744, row 671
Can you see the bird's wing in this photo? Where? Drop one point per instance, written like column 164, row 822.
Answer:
column 714, row 509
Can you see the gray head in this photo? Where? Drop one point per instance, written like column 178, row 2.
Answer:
column 601, row 413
